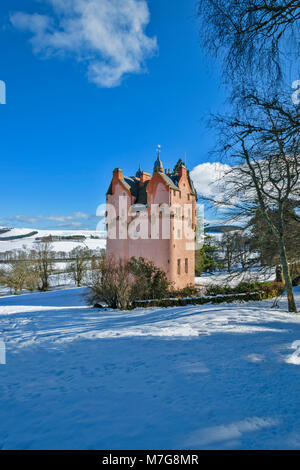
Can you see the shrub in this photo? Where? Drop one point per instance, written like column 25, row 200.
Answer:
column 112, row 283
column 226, row 294
column 272, row 289
column 119, row 284
column 150, row 281
column 189, row 291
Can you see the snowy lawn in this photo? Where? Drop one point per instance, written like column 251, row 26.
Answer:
column 203, row 377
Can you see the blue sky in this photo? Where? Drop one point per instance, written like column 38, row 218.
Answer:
column 65, row 128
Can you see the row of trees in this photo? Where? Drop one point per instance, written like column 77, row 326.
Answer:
column 252, row 247
column 33, row 271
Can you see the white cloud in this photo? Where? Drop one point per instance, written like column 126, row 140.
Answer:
column 22, row 218
column 108, row 35
column 71, row 225
column 67, row 218
column 207, row 178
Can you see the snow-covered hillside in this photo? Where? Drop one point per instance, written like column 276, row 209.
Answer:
column 196, row 377
column 30, row 242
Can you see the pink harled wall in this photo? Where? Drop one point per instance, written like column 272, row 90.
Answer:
column 175, row 255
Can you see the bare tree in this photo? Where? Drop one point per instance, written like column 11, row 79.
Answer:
column 265, row 150
column 79, row 262
column 227, row 246
column 3, row 275
column 251, row 36
column 16, row 276
column 43, row 258
column 235, row 251
column 21, row 274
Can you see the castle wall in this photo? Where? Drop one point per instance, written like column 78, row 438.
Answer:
column 182, row 249
column 172, row 251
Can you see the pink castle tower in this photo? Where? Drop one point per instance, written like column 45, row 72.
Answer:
column 154, row 217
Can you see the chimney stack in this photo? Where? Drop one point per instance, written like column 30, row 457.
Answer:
column 118, row 174
column 182, row 171
column 144, row 177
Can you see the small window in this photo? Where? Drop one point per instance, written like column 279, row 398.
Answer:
column 178, row 266
column 186, row 265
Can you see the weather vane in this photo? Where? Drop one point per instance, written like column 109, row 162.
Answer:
column 158, row 149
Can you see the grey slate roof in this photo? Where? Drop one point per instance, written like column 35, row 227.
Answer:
column 140, row 192
column 169, row 181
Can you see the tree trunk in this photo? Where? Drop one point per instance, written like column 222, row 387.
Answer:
column 279, row 277
column 287, row 278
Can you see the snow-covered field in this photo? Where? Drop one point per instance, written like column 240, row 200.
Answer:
column 196, row 377
column 30, row 243
column 233, row 279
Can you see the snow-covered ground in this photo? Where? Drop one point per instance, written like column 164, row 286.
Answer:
column 196, row 377
column 233, row 279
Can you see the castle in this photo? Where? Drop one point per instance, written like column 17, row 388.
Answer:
column 154, row 217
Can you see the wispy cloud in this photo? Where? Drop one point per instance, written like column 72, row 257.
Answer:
column 67, row 218
column 21, row 218
column 71, row 225
column 108, row 35
column 67, row 221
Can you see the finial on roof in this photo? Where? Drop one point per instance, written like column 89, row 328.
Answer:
column 158, row 166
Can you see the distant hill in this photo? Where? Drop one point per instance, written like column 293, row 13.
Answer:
column 4, row 230
column 61, row 240
column 9, row 237
column 222, row 229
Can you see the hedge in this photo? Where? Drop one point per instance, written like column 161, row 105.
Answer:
column 267, row 290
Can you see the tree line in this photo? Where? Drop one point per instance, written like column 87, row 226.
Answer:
column 33, row 270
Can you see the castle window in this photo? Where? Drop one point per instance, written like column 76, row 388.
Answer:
column 186, row 265
column 178, row 266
